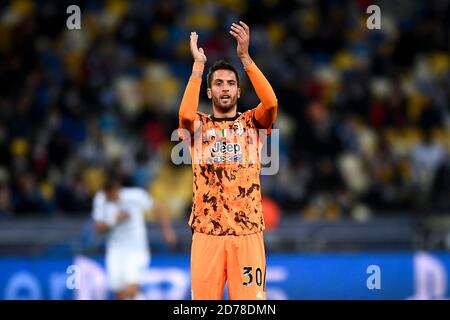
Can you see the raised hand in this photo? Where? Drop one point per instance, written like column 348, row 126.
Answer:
column 197, row 53
column 241, row 32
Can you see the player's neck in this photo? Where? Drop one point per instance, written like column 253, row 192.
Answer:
column 218, row 114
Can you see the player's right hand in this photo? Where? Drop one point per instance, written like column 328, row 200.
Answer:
column 170, row 237
column 197, row 53
column 122, row 216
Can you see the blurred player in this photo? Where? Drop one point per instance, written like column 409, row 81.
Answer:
column 120, row 212
column 226, row 218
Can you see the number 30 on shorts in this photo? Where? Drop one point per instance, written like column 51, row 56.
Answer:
column 258, row 276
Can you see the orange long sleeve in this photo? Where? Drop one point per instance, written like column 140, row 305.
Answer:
column 189, row 103
column 266, row 111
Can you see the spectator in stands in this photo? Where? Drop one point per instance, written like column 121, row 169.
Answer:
column 72, row 101
column 6, row 208
column 28, row 198
column 426, row 158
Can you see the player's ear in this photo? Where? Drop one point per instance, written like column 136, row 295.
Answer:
column 239, row 92
column 209, row 93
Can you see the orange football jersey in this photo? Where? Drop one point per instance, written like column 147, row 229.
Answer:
column 226, row 165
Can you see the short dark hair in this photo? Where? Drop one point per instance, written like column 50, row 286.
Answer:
column 113, row 179
column 220, row 65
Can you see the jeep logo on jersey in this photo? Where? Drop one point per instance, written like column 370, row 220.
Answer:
column 224, row 145
column 224, row 148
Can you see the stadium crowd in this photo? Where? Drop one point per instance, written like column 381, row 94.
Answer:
column 364, row 115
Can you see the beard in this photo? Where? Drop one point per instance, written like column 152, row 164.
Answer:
column 223, row 106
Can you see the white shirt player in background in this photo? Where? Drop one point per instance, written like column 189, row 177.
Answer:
column 120, row 212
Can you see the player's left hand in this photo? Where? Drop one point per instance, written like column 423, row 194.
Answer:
column 241, row 32
column 170, row 237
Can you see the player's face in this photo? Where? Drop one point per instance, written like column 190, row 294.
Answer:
column 224, row 90
column 112, row 194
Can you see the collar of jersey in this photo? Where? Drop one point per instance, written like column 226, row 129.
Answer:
column 226, row 119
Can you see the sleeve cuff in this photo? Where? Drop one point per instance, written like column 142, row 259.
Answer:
column 250, row 67
column 198, row 67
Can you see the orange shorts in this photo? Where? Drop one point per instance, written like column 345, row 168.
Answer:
column 238, row 260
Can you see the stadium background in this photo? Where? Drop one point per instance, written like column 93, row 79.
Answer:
column 364, row 119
